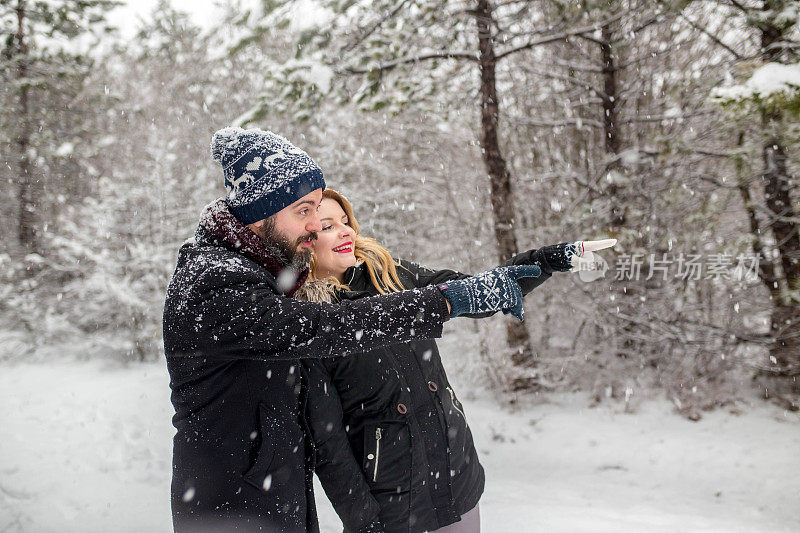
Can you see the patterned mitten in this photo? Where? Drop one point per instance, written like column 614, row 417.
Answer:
column 493, row 290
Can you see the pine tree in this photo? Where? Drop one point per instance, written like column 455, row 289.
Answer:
column 42, row 75
column 771, row 99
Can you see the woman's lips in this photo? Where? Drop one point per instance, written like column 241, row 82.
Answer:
column 345, row 248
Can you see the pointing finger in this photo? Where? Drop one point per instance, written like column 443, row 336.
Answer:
column 591, row 246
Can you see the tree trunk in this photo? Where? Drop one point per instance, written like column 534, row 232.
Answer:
column 613, row 143
column 27, row 231
column 785, row 319
column 766, row 270
column 499, row 175
column 626, row 334
column 777, row 190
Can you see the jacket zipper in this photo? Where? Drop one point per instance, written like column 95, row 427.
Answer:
column 377, row 453
column 453, row 400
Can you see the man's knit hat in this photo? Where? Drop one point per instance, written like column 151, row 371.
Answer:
column 263, row 172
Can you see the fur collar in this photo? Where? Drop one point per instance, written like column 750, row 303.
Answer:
column 317, row 290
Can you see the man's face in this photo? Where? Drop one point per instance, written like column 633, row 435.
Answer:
column 293, row 229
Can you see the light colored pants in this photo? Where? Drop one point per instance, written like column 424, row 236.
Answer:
column 470, row 523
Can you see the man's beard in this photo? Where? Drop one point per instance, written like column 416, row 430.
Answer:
column 279, row 247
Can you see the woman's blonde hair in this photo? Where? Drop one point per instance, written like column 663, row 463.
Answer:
column 381, row 267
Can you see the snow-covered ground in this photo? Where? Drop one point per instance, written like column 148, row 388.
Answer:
column 85, row 447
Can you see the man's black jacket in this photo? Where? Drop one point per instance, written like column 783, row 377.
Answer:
column 233, row 343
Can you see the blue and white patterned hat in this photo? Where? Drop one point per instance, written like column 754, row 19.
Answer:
column 263, row 172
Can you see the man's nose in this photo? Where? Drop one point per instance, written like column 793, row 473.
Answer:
column 313, row 223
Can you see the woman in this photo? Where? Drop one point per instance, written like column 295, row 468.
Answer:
column 394, row 451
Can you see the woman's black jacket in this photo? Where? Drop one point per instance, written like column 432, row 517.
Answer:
column 391, row 437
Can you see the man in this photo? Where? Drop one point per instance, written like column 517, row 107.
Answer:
column 233, row 338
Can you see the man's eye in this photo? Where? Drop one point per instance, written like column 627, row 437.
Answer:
column 304, row 212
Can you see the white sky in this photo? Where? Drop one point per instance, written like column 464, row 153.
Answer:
column 204, row 13
column 127, row 17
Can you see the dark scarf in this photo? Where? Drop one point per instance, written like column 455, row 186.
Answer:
column 218, row 219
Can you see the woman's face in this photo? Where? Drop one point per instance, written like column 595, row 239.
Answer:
column 333, row 249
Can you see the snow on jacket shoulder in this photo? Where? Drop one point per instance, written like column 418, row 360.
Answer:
column 225, row 306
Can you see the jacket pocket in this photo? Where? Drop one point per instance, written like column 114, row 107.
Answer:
column 278, row 439
column 387, row 456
